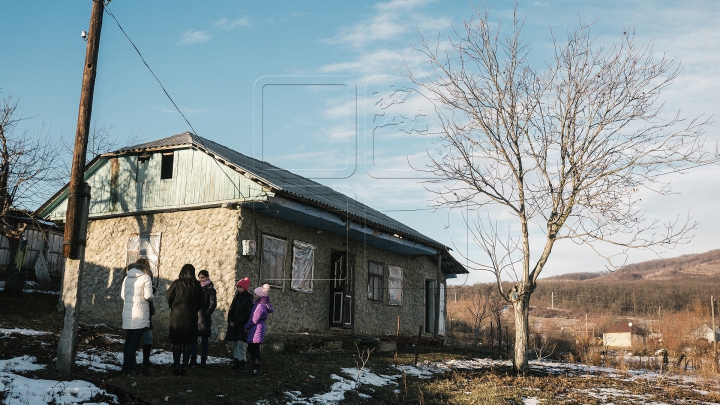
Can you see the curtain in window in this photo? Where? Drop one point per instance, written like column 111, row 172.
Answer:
column 273, row 260
column 303, row 266
column 147, row 245
column 394, row 285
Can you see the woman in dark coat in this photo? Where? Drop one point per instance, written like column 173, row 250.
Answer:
column 185, row 297
column 238, row 315
column 204, row 324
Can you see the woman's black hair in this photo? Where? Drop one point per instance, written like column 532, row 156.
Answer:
column 204, row 273
column 187, row 275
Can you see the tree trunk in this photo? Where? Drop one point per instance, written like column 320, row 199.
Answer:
column 522, row 310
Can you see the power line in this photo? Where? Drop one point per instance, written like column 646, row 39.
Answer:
column 107, row 10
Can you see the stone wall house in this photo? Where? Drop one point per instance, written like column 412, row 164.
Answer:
column 335, row 265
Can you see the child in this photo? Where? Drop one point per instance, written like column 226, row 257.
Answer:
column 255, row 326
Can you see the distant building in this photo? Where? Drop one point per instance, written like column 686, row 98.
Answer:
column 705, row 332
column 624, row 334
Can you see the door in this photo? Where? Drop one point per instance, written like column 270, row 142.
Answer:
column 342, row 290
column 430, row 306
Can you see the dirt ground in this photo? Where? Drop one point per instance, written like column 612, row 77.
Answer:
column 307, row 373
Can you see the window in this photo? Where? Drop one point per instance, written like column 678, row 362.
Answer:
column 272, row 261
column 375, row 281
column 166, row 166
column 145, row 245
column 303, row 265
column 395, row 285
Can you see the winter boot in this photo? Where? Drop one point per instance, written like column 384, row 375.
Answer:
column 236, row 365
column 256, row 369
column 203, row 361
column 147, row 349
column 193, row 361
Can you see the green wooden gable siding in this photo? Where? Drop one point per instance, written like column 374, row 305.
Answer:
column 123, row 184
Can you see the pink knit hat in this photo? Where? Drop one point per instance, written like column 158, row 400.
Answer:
column 260, row 292
column 244, row 283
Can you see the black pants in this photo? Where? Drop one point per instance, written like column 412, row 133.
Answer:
column 205, row 345
column 183, row 349
column 132, row 340
column 254, row 351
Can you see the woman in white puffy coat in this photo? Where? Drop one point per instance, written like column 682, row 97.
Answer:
column 136, row 293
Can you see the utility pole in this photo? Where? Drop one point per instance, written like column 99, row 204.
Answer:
column 712, row 310
column 78, row 200
column 552, row 300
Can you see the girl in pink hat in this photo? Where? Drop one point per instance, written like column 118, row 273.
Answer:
column 255, row 326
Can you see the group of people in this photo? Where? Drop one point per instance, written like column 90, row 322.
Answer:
column 192, row 302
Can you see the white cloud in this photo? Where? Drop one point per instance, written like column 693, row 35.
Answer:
column 195, row 36
column 230, row 24
column 392, row 20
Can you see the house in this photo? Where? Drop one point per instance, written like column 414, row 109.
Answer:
column 624, row 334
column 44, row 246
column 335, row 265
column 705, row 332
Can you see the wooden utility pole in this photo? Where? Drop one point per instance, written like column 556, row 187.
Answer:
column 712, row 310
column 78, row 200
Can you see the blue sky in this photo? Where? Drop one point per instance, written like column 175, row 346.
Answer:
column 316, row 87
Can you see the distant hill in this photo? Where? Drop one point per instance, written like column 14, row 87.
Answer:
column 695, row 266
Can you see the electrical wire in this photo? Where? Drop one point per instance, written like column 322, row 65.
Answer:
column 194, row 132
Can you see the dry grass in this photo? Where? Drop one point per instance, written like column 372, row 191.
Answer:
column 310, row 373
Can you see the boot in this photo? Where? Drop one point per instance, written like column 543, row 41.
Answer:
column 242, row 366
column 193, row 361
column 203, row 361
column 236, row 365
column 256, row 368
column 147, row 349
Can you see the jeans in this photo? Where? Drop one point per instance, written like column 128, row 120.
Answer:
column 238, row 348
column 132, row 340
column 147, row 337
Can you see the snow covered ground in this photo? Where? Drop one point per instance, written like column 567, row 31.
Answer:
column 18, row 388
column 22, row 390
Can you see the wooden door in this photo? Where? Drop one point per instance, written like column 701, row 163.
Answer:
column 342, row 290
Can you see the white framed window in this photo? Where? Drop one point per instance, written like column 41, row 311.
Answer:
column 145, row 245
column 395, row 283
column 272, row 264
column 303, row 266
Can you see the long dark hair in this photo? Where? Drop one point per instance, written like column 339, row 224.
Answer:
column 187, row 275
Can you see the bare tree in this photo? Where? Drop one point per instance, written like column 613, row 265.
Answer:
column 27, row 175
column 478, row 307
column 27, row 162
column 562, row 151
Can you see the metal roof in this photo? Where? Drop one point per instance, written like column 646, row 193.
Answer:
column 296, row 187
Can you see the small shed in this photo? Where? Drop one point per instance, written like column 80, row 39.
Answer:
column 624, row 334
column 705, row 332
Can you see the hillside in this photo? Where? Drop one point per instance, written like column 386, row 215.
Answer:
column 695, row 266
column 651, row 288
